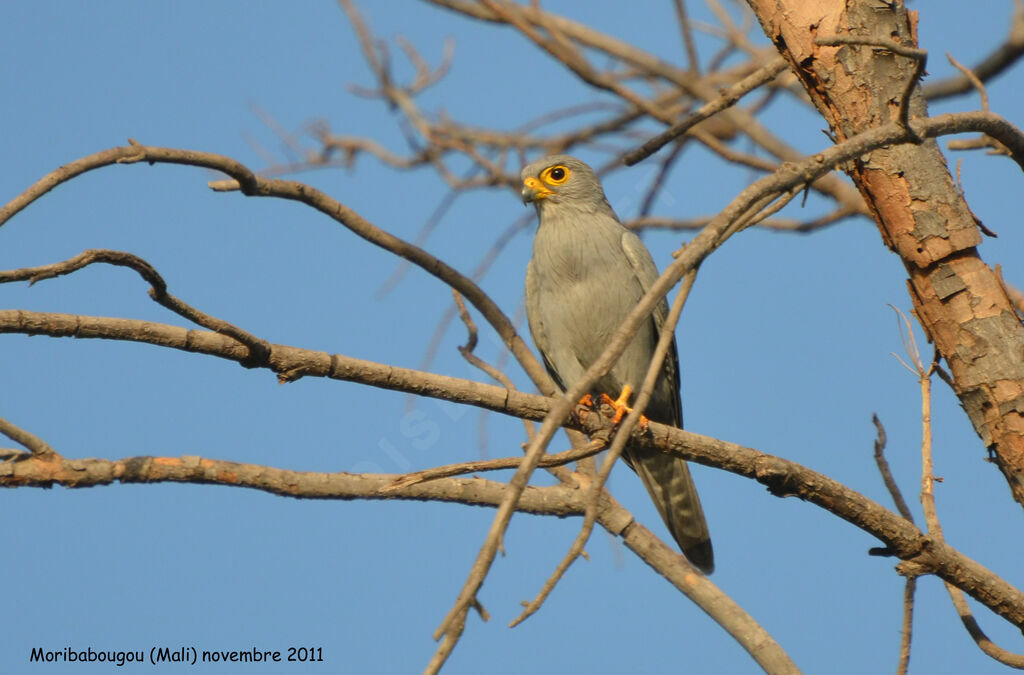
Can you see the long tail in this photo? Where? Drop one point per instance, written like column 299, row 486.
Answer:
column 671, row 487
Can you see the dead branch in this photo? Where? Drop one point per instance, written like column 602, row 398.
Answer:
column 1001, row 58
column 782, row 477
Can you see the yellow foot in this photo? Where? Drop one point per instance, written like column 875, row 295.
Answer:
column 582, row 410
column 621, row 407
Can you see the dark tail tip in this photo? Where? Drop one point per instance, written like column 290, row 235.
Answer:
column 701, row 555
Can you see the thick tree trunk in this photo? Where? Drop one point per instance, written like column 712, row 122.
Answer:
column 920, row 212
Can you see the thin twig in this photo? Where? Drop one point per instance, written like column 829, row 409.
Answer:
column 1014, row 294
column 775, row 224
column 654, row 189
column 798, row 173
column 931, row 516
column 259, row 349
column 702, row 89
column 883, row 468
column 433, row 220
column 901, row 505
column 907, row 631
column 482, row 267
column 559, row 459
column 467, row 353
column 783, row 478
column 692, row 60
column 728, row 98
column 1001, row 58
column 25, row 438
column 975, row 81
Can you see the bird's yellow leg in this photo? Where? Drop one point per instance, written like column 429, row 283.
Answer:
column 582, row 409
column 621, row 407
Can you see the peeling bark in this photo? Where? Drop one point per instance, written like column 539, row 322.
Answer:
column 920, row 213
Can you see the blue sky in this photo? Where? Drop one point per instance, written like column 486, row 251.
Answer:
column 785, row 346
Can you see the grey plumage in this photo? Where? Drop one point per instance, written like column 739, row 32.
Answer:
column 587, row 272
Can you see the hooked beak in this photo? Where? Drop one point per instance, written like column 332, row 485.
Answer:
column 534, row 190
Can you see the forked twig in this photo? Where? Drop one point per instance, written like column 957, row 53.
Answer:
column 259, row 349
column 37, row 446
column 928, row 480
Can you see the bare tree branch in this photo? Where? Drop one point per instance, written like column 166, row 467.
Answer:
column 1001, row 58
column 949, row 281
column 782, row 477
column 252, row 185
column 728, row 98
column 37, row 446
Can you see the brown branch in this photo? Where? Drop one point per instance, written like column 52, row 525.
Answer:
column 1015, row 294
column 506, row 235
column 37, row 446
column 562, row 50
column 983, row 141
column 467, row 353
column 928, row 480
column 692, row 60
column 975, row 81
column 554, row 500
column 728, row 98
column 1001, row 58
column 288, row 362
column 433, row 220
column 777, row 224
column 558, row 459
column 259, row 349
column 467, row 349
column 729, row 154
column 883, row 468
column 658, row 182
column 129, row 154
column 702, row 89
column 449, row 470
column 910, row 587
column 252, row 185
column 705, row 594
column 955, row 293
column 782, row 477
column 789, row 176
column 984, row 643
column 907, row 631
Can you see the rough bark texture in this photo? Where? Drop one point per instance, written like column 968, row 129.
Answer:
column 919, row 210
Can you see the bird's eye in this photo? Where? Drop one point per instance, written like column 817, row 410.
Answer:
column 557, row 174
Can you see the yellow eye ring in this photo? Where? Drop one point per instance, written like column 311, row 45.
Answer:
column 556, row 175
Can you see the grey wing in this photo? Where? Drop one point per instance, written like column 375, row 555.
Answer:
column 667, row 478
column 647, row 273
column 535, row 320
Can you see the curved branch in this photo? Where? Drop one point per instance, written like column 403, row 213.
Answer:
column 702, row 89
column 1001, row 58
column 37, row 446
column 557, row 500
column 259, row 349
column 782, row 477
column 252, row 185
column 750, row 200
column 729, row 97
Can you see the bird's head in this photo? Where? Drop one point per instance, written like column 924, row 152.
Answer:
column 562, row 181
